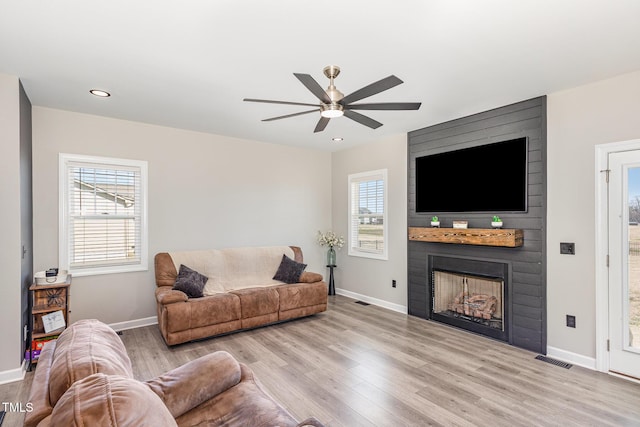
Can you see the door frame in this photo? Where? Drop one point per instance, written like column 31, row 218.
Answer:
column 602, row 247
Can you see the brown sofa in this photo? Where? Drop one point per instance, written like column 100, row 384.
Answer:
column 240, row 292
column 85, row 378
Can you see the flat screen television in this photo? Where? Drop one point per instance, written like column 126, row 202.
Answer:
column 487, row 178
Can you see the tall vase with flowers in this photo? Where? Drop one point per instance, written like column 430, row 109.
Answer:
column 332, row 240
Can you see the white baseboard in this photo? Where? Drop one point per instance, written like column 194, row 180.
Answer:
column 573, row 358
column 13, row 374
column 375, row 301
column 131, row 324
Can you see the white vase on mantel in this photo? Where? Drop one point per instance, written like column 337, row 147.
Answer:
column 435, row 224
column 496, row 224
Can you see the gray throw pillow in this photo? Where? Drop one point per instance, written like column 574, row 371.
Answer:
column 190, row 282
column 289, row 270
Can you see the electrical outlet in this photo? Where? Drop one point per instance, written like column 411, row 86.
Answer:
column 568, row 248
column 393, row 283
column 571, row 321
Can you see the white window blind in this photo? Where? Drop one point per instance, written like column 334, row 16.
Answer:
column 103, row 217
column 368, row 214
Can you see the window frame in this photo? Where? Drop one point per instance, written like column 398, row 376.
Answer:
column 353, row 250
column 64, row 221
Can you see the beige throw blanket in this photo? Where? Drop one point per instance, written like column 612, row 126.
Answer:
column 234, row 268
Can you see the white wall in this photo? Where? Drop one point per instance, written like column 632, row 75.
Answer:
column 578, row 120
column 205, row 191
column 367, row 278
column 10, row 242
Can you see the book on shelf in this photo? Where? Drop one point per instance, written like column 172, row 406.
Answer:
column 38, row 343
column 35, row 354
column 53, row 321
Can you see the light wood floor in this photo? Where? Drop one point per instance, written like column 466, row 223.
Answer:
column 360, row 365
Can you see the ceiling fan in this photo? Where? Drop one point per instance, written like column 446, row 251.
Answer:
column 334, row 104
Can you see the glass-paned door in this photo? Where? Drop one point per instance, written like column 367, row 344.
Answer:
column 624, row 265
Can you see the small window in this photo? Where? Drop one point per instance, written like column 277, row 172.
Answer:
column 103, row 226
column 368, row 214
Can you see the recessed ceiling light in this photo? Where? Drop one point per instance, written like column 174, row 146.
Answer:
column 100, row 93
column 337, row 139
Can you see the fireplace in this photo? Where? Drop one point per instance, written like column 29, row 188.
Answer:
column 471, row 294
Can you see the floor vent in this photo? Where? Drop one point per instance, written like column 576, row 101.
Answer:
column 554, row 361
column 362, row 303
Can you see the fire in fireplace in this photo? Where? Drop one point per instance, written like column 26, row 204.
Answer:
column 470, row 294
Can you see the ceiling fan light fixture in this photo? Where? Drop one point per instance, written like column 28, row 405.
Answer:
column 334, row 104
column 331, row 111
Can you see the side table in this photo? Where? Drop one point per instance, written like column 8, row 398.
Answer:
column 332, row 286
column 44, row 301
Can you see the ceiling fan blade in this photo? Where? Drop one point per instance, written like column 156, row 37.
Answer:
column 314, row 87
column 385, row 106
column 290, row 115
column 362, row 119
column 322, row 123
column 269, row 101
column 372, row 89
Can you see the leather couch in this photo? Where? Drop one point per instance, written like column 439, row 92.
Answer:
column 240, row 292
column 85, row 378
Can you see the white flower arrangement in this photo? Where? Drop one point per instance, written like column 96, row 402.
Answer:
column 330, row 239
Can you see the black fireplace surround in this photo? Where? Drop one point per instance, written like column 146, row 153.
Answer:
column 526, row 272
column 478, row 269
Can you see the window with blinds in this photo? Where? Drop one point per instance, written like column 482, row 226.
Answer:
column 368, row 214
column 103, row 215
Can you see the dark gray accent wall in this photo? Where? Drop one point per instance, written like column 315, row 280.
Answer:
column 527, row 264
column 26, row 208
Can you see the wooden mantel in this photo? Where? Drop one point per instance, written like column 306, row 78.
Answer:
column 509, row 238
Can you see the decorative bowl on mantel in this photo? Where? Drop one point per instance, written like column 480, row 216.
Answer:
column 496, row 224
column 435, row 224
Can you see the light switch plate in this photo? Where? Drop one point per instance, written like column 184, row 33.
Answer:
column 568, row 248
